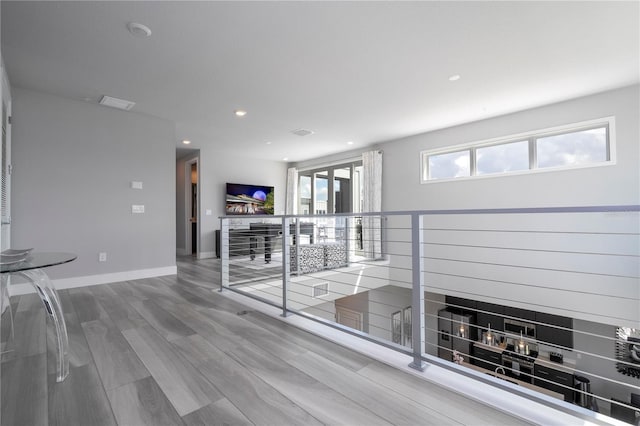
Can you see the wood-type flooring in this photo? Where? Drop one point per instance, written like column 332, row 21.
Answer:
column 170, row 351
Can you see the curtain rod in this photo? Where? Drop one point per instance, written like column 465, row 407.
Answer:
column 334, row 162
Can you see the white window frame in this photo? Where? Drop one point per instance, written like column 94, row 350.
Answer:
column 330, row 169
column 531, row 137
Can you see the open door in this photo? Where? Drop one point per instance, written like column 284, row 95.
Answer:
column 192, row 207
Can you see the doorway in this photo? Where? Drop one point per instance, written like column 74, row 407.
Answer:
column 5, row 168
column 329, row 190
column 349, row 318
column 192, row 209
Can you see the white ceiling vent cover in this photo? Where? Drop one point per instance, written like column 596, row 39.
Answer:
column 319, row 290
column 302, row 132
column 116, row 103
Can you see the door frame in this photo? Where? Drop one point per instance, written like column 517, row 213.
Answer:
column 187, row 205
column 5, row 104
column 349, row 313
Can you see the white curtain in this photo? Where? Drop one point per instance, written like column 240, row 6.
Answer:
column 291, row 202
column 372, row 202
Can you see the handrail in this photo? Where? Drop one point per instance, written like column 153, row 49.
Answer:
column 419, row 262
column 536, row 210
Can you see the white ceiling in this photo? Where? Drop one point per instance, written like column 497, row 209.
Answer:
column 365, row 72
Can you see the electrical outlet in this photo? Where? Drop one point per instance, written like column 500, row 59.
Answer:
column 102, row 257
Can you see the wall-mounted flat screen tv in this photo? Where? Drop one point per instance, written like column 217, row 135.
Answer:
column 249, row 199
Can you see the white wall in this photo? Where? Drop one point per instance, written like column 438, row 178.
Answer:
column 600, row 186
column 216, row 169
column 359, row 303
column 325, row 311
column 383, row 302
column 601, row 288
column 73, row 163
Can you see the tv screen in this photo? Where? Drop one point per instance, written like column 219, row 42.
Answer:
column 249, row 199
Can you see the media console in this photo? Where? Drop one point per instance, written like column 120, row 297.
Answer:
column 244, row 242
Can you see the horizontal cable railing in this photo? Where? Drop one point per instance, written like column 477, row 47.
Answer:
column 547, row 299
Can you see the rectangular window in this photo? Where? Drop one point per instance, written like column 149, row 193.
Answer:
column 576, row 148
column 506, row 157
column 576, row 145
column 449, row 165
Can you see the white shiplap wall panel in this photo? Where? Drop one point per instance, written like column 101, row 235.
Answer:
column 526, row 280
column 584, row 265
column 579, row 263
column 597, row 243
column 609, row 309
column 602, row 222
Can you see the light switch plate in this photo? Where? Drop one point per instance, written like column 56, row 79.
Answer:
column 207, row 212
column 136, row 185
column 137, row 208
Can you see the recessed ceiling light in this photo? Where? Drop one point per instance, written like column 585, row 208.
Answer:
column 116, row 103
column 302, row 132
column 268, row 143
column 138, row 30
column 285, row 159
column 454, row 77
column 240, row 112
column 349, row 142
column 186, row 142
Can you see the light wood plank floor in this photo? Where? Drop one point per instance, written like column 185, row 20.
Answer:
column 169, row 351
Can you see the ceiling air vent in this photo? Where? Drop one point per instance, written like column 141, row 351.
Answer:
column 302, row 132
column 319, row 290
column 116, row 103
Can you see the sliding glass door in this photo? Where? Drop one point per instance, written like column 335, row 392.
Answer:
column 329, row 190
column 321, row 192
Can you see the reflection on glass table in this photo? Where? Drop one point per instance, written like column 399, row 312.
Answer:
column 30, row 266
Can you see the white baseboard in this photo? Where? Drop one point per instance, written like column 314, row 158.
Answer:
column 65, row 283
column 206, row 255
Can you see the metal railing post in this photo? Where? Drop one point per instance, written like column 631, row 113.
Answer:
column 224, row 253
column 347, row 237
column 417, row 292
column 286, row 262
column 298, row 242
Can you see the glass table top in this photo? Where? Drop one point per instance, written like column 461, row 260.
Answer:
column 37, row 260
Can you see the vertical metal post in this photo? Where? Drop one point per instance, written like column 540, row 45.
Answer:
column 298, row 242
column 417, row 292
column 286, row 260
column 224, row 253
column 347, row 237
